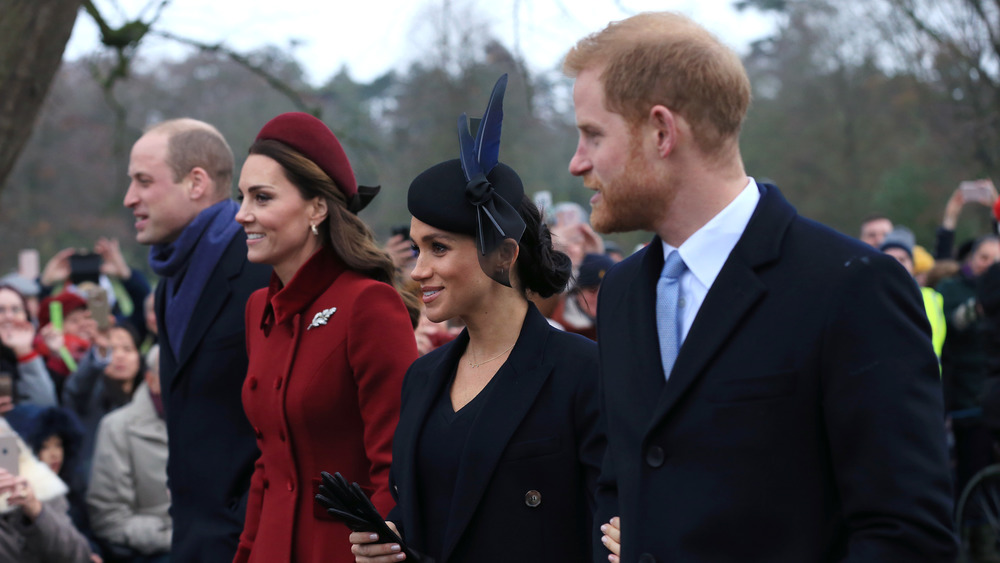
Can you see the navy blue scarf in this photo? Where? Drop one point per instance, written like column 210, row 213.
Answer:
column 188, row 262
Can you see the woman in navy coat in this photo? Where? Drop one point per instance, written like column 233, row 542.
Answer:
column 499, row 439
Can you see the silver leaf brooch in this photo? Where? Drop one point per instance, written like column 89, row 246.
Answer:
column 322, row 317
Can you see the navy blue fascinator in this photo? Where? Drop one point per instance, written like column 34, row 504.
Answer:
column 475, row 194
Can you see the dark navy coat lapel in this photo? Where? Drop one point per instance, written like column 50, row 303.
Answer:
column 731, row 297
column 218, row 291
column 515, row 388
column 417, row 408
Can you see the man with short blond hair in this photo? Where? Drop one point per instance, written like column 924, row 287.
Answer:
column 181, row 172
column 768, row 384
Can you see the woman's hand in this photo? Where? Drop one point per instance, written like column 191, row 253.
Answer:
column 53, row 338
column 21, row 494
column 365, row 549
column 19, row 336
column 612, row 539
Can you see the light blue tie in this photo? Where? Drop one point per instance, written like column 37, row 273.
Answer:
column 668, row 315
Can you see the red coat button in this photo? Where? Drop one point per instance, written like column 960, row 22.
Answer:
column 277, row 383
column 281, row 435
column 253, row 383
column 291, row 486
column 257, row 432
column 267, row 483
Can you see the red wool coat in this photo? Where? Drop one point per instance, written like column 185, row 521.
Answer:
column 327, row 357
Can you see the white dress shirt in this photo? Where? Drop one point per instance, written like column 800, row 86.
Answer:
column 706, row 251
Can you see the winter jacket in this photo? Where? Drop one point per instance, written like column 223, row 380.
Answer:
column 128, row 497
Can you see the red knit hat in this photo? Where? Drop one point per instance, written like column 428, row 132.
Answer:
column 314, row 140
column 70, row 302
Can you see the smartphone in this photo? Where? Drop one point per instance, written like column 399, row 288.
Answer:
column 85, row 266
column 56, row 315
column 976, row 190
column 97, row 304
column 10, row 454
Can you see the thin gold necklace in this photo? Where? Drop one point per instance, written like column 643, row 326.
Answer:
column 472, row 365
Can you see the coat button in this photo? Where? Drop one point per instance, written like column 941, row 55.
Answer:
column 277, row 383
column 647, row 558
column 655, row 456
column 281, row 435
column 291, row 485
column 267, row 483
column 253, row 383
column 256, row 431
column 533, row 498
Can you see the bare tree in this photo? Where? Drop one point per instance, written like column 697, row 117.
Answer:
column 33, row 36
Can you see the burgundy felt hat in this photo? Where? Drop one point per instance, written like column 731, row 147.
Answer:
column 314, row 140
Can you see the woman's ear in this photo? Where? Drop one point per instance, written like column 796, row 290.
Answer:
column 318, row 210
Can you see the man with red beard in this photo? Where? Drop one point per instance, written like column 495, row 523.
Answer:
column 769, row 385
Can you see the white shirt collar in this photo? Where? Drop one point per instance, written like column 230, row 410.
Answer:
column 706, row 251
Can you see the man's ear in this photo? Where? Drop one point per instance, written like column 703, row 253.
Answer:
column 200, row 184
column 666, row 125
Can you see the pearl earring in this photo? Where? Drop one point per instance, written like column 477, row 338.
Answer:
column 314, row 230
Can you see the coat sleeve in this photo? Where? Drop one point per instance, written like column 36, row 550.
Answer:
column 381, row 347
column 255, row 495
column 111, row 497
column 79, row 387
column 884, row 417
column 34, row 385
column 592, row 446
column 52, row 537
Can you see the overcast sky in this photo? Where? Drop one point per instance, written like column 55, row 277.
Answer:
column 374, row 36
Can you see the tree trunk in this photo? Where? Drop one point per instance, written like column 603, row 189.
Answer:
column 33, row 35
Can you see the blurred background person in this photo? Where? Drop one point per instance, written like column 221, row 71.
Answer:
column 63, row 347
column 23, row 375
column 128, row 500
column 981, row 192
column 106, row 379
column 328, row 340
column 900, row 244
column 874, row 228
column 54, row 487
column 964, row 358
column 577, row 309
column 29, row 289
column 125, row 287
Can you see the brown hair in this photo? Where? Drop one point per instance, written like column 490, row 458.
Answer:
column 663, row 58
column 192, row 143
column 349, row 237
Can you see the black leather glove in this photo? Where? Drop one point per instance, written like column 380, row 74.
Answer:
column 349, row 504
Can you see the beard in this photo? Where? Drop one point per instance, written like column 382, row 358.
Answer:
column 634, row 200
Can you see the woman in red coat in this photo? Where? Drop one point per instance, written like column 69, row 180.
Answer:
column 329, row 341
